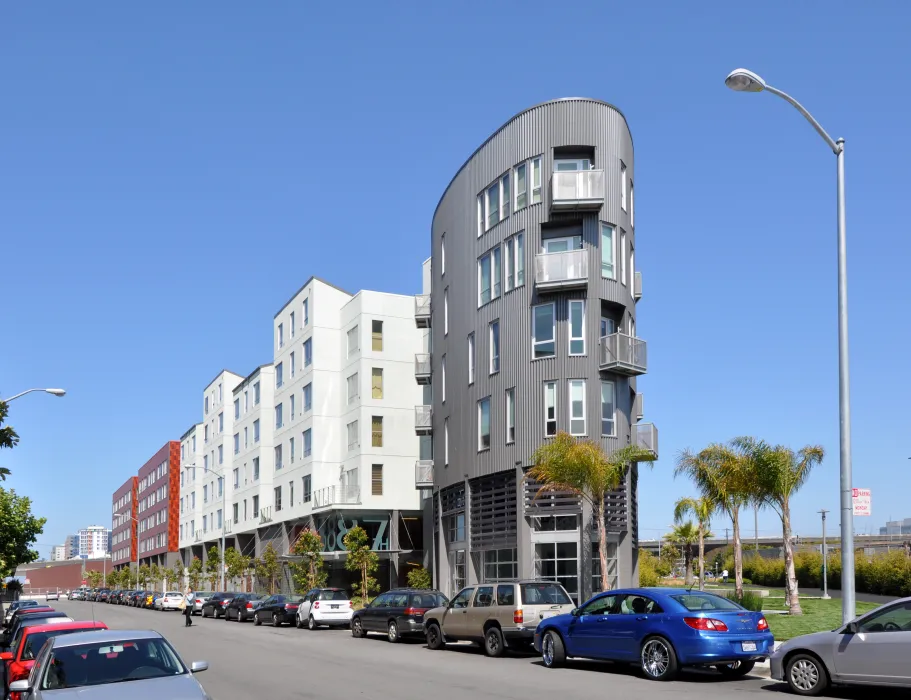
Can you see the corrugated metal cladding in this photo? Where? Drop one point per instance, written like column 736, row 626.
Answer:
column 594, row 127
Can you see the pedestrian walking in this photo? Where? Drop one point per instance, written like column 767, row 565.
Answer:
column 724, row 575
column 187, row 606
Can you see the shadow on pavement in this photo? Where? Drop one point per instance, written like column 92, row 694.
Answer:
column 687, row 675
column 856, row 692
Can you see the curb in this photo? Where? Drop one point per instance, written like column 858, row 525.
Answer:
column 763, row 669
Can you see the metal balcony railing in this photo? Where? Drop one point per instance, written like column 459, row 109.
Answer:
column 198, row 537
column 645, row 435
column 423, row 474
column 423, row 420
column 637, row 286
column 336, row 495
column 422, row 367
column 638, row 406
column 561, row 270
column 265, row 515
column 577, row 190
column 422, row 310
column 623, row 354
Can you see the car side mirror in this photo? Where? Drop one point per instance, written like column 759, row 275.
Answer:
column 6, row 656
column 576, row 612
column 850, row 628
column 199, row 666
column 19, row 686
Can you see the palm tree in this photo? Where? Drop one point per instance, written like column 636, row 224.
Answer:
column 685, row 536
column 777, row 473
column 582, row 467
column 702, row 509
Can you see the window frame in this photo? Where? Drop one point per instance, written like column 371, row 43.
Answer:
column 551, row 390
column 613, row 420
column 510, row 415
column 573, row 384
column 623, row 179
column 523, row 193
column 608, row 231
column 553, row 332
column 537, row 166
column 471, row 359
column 376, row 387
column 481, row 404
column 494, row 340
column 622, row 257
column 376, row 337
column 374, row 469
column 307, row 436
column 575, row 303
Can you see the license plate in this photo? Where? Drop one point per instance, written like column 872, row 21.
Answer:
column 334, row 607
column 749, row 646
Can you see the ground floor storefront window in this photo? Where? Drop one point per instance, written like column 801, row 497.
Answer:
column 500, row 565
column 559, row 561
column 613, row 570
column 458, row 570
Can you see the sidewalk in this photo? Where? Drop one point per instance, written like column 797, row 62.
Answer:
column 763, row 669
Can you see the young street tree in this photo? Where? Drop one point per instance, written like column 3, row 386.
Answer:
column 419, row 577
column 93, row 578
column 195, row 572
column 213, row 563
column 363, row 559
column 581, row 467
column 310, row 571
column 155, row 576
column 19, row 530
column 685, row 536
column 268, row 568
column 177, row 575
column 8, row 438
column 236, row 564
column 144, row 576
column 701, row 509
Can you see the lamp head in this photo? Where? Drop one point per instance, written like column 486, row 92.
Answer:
column 56, row 392
column 743, row 80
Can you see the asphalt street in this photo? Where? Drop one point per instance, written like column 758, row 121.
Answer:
column 247, row 661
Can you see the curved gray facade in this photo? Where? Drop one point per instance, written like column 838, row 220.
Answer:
column 586, row 199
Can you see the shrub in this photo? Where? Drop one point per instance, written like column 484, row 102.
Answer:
column 648, row 573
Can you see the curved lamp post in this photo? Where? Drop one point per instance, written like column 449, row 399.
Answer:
column 743, row 80
column 55, row 392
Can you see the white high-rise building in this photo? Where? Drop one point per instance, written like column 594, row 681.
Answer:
column 58, row 552
column 94, row 541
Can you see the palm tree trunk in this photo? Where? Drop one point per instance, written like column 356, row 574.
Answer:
column 701, row 558
column 738, row 553
column 790, row 575
column 602, row 545
column 688, row 564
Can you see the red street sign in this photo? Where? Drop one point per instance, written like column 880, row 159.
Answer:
column 84, row 582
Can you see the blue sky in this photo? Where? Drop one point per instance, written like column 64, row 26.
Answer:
column 173, row 173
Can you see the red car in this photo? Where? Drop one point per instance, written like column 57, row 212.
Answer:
column 19, row 660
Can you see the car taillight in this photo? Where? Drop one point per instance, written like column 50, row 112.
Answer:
column 518, row 617
column 199, row 601
column 291, row 606
column 224, row 603
column 249, row 606
column 415, row 611
column 316, row 605
column 763, row 625
column 706, row 624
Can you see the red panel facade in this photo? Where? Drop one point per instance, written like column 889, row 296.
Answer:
column 123, row 523
column 158, row 497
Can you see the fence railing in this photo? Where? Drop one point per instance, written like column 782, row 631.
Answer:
column 645, row 435
column 569, row 268
column 577, row 189
column 423, row 474
column 423, row 419
column 422, row 310
column 336, row 495
column 624, row 354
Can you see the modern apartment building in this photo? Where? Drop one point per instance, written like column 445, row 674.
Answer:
column 123, row 524
column 94, row 541
column 58, row 552
column 157, row 494
column 321, row 437
column 71, row 544
column 531, row 311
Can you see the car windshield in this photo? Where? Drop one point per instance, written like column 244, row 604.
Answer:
column 333, row 595
column 696, row 602
column 34, row 642
column 544, row 594
column 428, row 600
column 110, row 662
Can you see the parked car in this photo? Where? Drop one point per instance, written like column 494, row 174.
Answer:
column 21, row 610
column 215, row 605
column 102, row 596
column 137, row 598
column 242, row 606
column 55, row 595
column 169, row 601
column 21, row 657
column 16, row 605
column 46, row 616
column 662, row 629
column 398, row 613
column 96, row 661
column 199, row 598
column 874, row 649
column 277, row 609
column 328, row 607
column 497, row 616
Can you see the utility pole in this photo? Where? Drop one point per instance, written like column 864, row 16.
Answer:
column 727, row 540
column 825, row 558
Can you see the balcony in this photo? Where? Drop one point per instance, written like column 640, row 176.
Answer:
column 423, row 420
column 422, row 310
column 645, row 435
column 638, row 409
column 265, row 515
column 623, row 354
column 422, row 367
column 637, row 286
column 198, row 537
column 577, row 190
column 336, row 495
column 228, row 527
column 565, row 270
column 423, row 474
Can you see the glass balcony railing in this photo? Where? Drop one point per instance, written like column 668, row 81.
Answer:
column 577, row 190
column 423, row 474
column 423, row 420
column 623, row 354
column 422, row 310
column 645, row 435
column 422, row 367
column 561, row 270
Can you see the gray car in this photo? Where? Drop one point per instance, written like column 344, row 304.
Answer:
column 874, row 649
column 92, row 665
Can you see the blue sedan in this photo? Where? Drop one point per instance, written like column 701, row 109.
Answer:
column 662, row 629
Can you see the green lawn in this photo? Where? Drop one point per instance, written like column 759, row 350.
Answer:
column 818, row 616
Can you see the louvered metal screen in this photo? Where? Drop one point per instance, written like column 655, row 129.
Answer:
column 494, row 511
column 542, row 503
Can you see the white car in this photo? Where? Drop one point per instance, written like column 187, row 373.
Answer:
column 52, row 596
column 324, row 607
column 170, row 601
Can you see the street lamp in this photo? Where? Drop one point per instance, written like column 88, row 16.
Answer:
column 742, row 80
column 55, row 392
column 224, row 515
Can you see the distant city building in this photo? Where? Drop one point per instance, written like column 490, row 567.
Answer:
column 896, row 527
column 58, row 552
column 93, row 541
column 123, row 523
column 71, row 544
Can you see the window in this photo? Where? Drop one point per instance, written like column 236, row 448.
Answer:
column 607, row 326
column 558, row 561
column 308, row 444
column 514, row 261
column 293, row 402
column 622, row 185
column 550, row 408
column 291, row 450
column 218, row 513
column 543, row 331
column 353, row 345
column 221, row 422
column 306, row 311
column 376, row 429
column 577, row 327
column 246, row 437
column 577, row 407
column 352, row 435
column 278, row 498
column 308, row 397
column 236, row 409
column 205, row 463
column 292, row 324
column 484, row 424
column 205, row 525
column 234, row 512
column 501, row 565
column 471, row 359
column 608, row 409
column 236, row 472
column 510, row 415
column 281, row 335
column 308, row 352
column 376, row 384
column 352, row 388
column 536, row 180
column 256, row 394
column 446, row 311
column 256, row 430
column 484, row 597
column 256, row 506
column 376, row 335
column 236, row 443
column 446, row 442
column 521, row 186
column 308, row 489
column 246, row 401
column 607, row 251
column 493, row 204
column 489, row 277
column 279, row 375
column 205, row 493
column 278, row 416
column 290, row 494
column 622, row 257
column 256, row 469
column 376, row 480
column 293, row 363
column 443, row 378
column 613, row 570
column 494, row 346
column 442, row 255
column 207, row 406
column 632, row 206
column 481, row 226
column 456, row 527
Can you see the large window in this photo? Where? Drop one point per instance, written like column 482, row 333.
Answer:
column 456, row 527
column 607, row 251
column 376, row 336
column 484, row 424
column 352, row 388
column 352, row 435
column 308, row 397
column 622, row 185
column 376, row 383
column 536, row 180
column 622, row 257
column 521, row 186
column 608, row 409
column 494, row 346
column 471, row 359
column 376, row 429
column 577, row 327
column 308, row 442
column 543, row 330
column 489, row 276
column 376, row 480
column 511, row 415
column 559, row 561
column 577, row 407
column 500, row 565
column 550, row 408
column 353, row 345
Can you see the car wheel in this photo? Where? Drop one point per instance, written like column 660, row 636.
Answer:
column 256, row 620
column 204, row 613
column 311, row 624
column 553, row 653
column 300, row 623
column 276, row 620
column 392, row 632
column 357, row 629
column 240, row 617
column 659, row 661
column 806, row 675
column 737, row 669
column 493, row 642
column 434, row 636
